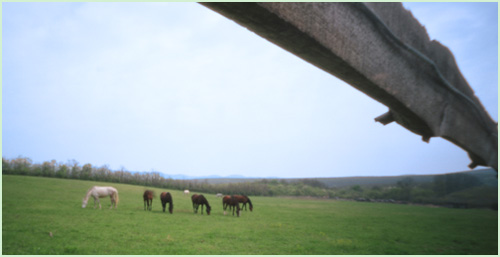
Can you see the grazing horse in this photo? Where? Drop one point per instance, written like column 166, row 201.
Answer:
column 232, row 202
column 148, row 199
column 99, row 192
column 200, row 200
column 244, row 199
column 225, row 202
column 167, row 198
column 186, row 192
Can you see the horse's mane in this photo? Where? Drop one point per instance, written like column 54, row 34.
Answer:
column 88, row 194
column 249, row 202
column 203, row 200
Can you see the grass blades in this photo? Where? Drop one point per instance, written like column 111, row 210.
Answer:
column 44, row 216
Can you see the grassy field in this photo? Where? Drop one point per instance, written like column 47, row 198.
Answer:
column 33, row 207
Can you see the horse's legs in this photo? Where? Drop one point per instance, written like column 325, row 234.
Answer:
column 96, row 199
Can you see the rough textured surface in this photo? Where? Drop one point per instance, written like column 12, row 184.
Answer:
column 382, row 50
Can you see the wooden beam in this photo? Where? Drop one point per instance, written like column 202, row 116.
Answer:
column 382, row 50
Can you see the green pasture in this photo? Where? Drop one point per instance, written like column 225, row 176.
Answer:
column 33, row 208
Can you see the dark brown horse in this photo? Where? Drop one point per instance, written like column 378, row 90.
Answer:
column 232, row 202
column 148, row 199
column 167, row 198
column 244, row 200
column 200, row 200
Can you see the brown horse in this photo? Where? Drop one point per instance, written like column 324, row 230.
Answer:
column 226, row 200
column 148, row 199
column 244, row 200
column 167, row 198
column 232, row 202
column 200, row 200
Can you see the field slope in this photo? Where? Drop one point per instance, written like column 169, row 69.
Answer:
column 44, row 216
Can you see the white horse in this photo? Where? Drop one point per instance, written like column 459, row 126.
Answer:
column 186, row 192
column 99, row 192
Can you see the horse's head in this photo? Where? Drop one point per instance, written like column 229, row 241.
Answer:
column 208, row 210
column 84, row 203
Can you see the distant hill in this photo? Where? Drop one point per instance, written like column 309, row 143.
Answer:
column 486, row 176
column 210, row 177
column 228, row 180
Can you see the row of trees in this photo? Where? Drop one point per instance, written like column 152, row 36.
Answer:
column 72, row 170
column 438, row 191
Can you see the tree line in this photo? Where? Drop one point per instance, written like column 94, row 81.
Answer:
column 458, row 187
column 72, row 170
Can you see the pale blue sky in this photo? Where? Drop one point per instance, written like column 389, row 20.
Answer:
column 179, row 89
